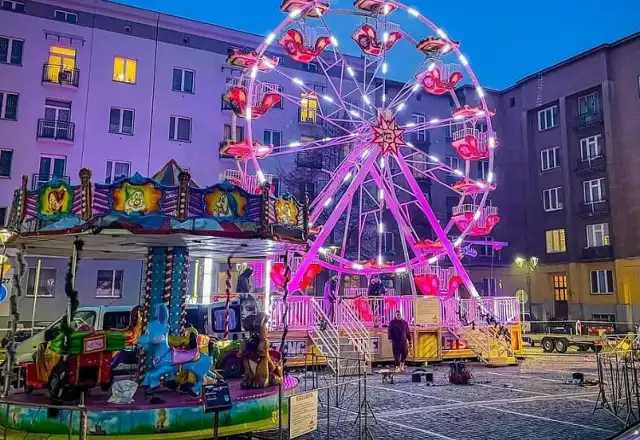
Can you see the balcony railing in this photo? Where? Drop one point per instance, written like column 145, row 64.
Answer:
column 38, row 180
column 56, row 130
column 587, row 120
column 597, row 253
column 594, row 163
column 54, row 73
column 590, row 209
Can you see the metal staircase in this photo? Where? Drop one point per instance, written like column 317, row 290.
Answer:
column 483, row 334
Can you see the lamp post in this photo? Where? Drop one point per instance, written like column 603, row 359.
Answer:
column 529, row 265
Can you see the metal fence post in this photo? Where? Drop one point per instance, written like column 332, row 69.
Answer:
column 82, row 435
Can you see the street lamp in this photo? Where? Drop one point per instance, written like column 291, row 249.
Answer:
column 529, row 265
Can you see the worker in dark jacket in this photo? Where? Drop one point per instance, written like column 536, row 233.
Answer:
column 400, row 337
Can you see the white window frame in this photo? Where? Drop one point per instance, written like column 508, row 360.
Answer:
column 483, row 169
column 120, row 124
column 111, row 177
column 450, row 160
column 114, row 273
column 550, row 158
column 602, row 282
column 271, row 133
column 585, row 98
column 66, row 16
column 551, row 199
column 3, row 106
column 10, row 165
column 124, row 71
column 594, row 191
column 548, row 118
column 13, row 4
column 388, row 237
column 591, row 144
column 182, row 81
column 31, row 293
column 419, row 119
column 10, row 49
column 598, row 235
column 174, row 136
column 558, row 241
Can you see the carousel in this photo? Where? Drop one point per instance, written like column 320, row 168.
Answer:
column 69, row 387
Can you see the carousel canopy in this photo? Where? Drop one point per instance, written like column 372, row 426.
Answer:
column 168, row 174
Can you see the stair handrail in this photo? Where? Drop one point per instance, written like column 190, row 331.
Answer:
column 329, row 336
column 355, row 329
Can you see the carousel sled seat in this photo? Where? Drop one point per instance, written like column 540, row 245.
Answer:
column 293, row 43
column 469, row 147
column 432, row 46
column 237, row 99
column 467, row 111
column 433, row 82
column 247, row 60
column 374, row 6
column 366, row 37
column 316, row 11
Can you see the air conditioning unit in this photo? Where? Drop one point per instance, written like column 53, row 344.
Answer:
column 65, row 76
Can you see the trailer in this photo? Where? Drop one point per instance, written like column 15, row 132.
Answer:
column 560, row 343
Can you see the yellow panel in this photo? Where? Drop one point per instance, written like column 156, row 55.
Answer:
column 427, row 346
column 62, row 51
column 118, row 69
column 131, row 71
column 549, row 237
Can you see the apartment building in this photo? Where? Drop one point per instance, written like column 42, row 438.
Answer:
column 120, row 90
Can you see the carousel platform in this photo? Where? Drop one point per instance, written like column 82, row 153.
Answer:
column 179, row 415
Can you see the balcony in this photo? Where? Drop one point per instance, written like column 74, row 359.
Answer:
column 56, row 74
column 37, row 180
column 590, row 164
column 56, row 130
column 598, row 253
column 587, row 120
column 592, row 209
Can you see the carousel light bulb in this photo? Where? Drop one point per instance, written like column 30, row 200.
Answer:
column 351, row 71
column 254, row 71
column 379, row 260
column 431, row 67
column 247, row 115
column 318, row 12
column 458, row 117
column 441, row 33
column 480, row 92
column 334, row 41
column 380, row 194
column 434, row 158
column 480, row 114
column 477, row 214
column 401, row 270
column 380, row 228
column 386, row 9
column 270, row 38
column 384, row 97
column 366, row 99
column 401, row 106
column 385, row 67
column 298, row 81
column 446, row 48
column 492, row 142
column 268, row 63
column 413, row 12
column 295, row 144
column 365, row 153
column 310, row 224
column 357, row 266
column 481, row 185
column 294, row 13
column 409, row 144
column 327, row 98
column 382, row 162
column 458, row 242
column 463, row 60
column 432, row 260
column 323, row 251
column 385, row 37
column 347, row 177
column 490, row 177
column 415, row 87
column 434, row 121
column 261, row 177
column 458, row 172
column 328, row 202
column 354, row 113
column 411, row 124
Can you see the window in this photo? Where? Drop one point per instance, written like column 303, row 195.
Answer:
column 309, row 159
column 308, row 108
column 556, row 241
column 548, row 118
column 603, row 317
column 419, row 165
column 121, row 121
column 68, row 17
column 116, row 320
column 46, row 282
column 485, row 250
column 388, row 244
column 550, row 158
column 182, row 80
column 450, row 202
column 452, row 161
column 308, row 189
column 116, row 171
column 483, row 169
column 311, row 67
column 12, row 5
column 51, row 167
column 239, row 133
column 512, row 102
column 591, row 147
column 180, row 129
column 451, row 129
column 61, row 60
column 11, row 50
column 6, row 157
column 421, row 134
column 272, row 138
column 9, row 106
column 489, row 287
column 125, row 70
column 109, row 284
column 594, row 190
column 560, row 287
column 3, row 216
column 598, row 235
column 589, row 104
column 551, row 199
column 602, row 282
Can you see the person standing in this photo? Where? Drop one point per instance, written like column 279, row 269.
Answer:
column 400, row 336
column 330, row 297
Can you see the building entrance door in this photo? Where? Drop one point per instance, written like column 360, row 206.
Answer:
column 561, row 305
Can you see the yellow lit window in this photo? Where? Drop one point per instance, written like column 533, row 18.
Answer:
column 308, row 108
column 125, row 70
column 60, row 59
column 560, row 287
column 556, row 241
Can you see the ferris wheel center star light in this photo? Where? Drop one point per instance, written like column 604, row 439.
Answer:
column 388, row 134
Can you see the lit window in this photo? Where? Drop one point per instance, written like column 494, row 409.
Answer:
column 550, row 158
column 109, row 284
column 560, row 287
column 598, row 235
column 548, row 118
column 180, row 129
column 11, row 50
column 121, row 121
column 556, row 241
column 125, row 70
column 308, row 108
column 60, row 64
column 602, row 282
column 116, row 171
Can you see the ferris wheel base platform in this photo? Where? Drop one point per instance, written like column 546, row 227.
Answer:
column 180, row 416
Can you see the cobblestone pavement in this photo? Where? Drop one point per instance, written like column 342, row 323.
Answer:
column 530, row 401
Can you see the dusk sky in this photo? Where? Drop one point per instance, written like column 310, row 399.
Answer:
column 504, row 40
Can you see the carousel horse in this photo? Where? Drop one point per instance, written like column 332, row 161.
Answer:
column 165, row 360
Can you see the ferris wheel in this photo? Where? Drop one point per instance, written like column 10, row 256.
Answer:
column 378, row 184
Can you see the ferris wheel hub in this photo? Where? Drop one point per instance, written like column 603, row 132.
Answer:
column 387, row 134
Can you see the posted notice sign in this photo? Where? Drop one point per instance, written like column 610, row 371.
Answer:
column 303, row 414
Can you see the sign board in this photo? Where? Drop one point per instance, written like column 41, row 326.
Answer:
column 94, row 344
column 303, row 414
column 216, row 397
column 294, row 347
column 427, row 311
